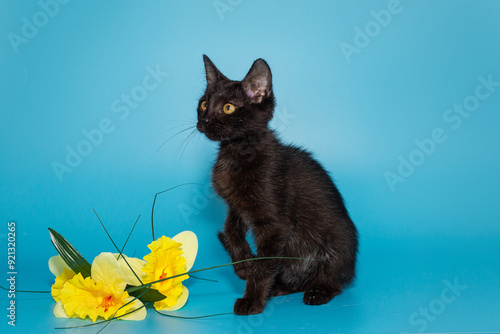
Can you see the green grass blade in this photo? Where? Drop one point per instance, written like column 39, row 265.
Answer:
column 116, row 247
column 126, row 241
column 69, row 254
column 135, row 288
column 197, row 317
column 27, row 291
column 154, row 202
column 203, row 279
column 103, row 322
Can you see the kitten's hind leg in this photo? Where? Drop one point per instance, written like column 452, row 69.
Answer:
column 327, row 281
column 319, row 294
column 281, row 289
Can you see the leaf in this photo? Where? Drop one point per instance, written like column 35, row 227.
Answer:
column 151, row 295
column 69, row 254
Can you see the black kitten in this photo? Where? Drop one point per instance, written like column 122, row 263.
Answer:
column 277, row 191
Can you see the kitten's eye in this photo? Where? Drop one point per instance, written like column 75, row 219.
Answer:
column 204, row 105
column 229, row 108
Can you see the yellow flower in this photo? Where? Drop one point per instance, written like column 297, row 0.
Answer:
column 170, row 257
column 60, row 282
column 62, row 272
column 100, row 295
column 136, row 264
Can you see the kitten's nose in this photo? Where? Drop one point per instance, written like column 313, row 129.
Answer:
column 202, row 124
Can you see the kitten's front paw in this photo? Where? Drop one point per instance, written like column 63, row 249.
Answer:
column 247, row 306
column 243, row 270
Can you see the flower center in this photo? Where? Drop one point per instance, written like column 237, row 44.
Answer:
column 106, row 303
column 163, row 274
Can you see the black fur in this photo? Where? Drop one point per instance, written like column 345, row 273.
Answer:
column 277, row 191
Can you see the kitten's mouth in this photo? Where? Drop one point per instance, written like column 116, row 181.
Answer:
column 200, row 127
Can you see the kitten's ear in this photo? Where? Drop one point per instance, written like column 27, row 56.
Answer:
column 258, row 82
column 213, row 74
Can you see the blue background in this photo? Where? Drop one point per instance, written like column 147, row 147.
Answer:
column 358, row 113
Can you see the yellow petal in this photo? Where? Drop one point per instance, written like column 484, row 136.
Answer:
column 136, row 264
column 181, row 301
column 57, row 265
column 189, row 246
column 85, row 298
column 58, row 285
column 81, row 297
column 163, row 243
column 166, row 260
column 166, row 263
column 59, row 310
column 141, row 312
column 105, row 269
column 172, row 292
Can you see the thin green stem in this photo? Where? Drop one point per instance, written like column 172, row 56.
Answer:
column 203, row 279
column 135, row 288
column 27, row 291
column 154, row 201
column 114, row 244
column 198, row 317
column 126, row 241
column 104, row 321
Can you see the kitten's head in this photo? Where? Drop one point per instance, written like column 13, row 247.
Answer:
column 232, row 109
